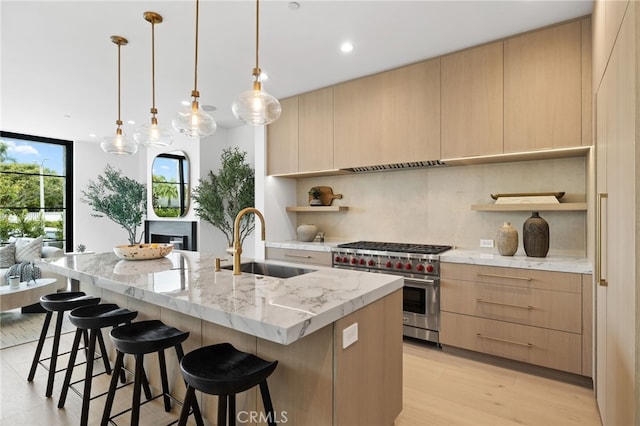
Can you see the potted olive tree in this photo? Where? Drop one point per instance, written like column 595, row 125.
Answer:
column 220, row 197
column 121, row 199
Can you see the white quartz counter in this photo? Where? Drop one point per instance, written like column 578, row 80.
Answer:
column 300, row 245
column 578, row 265
column 275, row 309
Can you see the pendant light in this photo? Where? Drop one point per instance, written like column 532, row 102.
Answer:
column 119, row 144
column 256, row 107
column 152, row 134
column 193, row 121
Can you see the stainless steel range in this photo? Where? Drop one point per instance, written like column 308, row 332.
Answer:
column 419, row 264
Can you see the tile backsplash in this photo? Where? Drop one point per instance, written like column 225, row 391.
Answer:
column 434, row 205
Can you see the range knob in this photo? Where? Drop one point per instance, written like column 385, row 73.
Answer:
column 371, row 262
column 354, row 260
column 345, row 260
column 429, row 268
column 399, row 265
column 362, row 261
column 338, row 259
column 388, row 264
column 420, row 267
column 408, row 266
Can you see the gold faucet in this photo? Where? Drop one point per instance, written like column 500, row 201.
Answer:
column 237, row 245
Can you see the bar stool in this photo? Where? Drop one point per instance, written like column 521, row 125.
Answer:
column 93, row 318
column 225, row 371
column 58, row 302
column 140, row 338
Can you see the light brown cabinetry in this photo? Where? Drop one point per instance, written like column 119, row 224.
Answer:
column 387, row 118
column 301, row 140
column 617, row 102
column 543, row 89
column 311, row 257
column 472, row 106
column 315, row 130
column 282, row 140
column 522, row 314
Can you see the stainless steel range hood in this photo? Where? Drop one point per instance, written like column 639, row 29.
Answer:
column 396, row 166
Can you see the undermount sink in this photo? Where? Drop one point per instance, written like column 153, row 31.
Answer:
column 270, row 270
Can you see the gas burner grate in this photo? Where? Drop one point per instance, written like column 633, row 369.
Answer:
column 396, row 247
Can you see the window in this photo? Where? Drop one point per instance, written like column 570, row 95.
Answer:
column 170, row 184
column 36, row 189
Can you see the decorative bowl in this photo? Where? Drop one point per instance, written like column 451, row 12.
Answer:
column 142, row 251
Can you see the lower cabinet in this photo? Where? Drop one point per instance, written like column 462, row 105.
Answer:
column 538, row 317
column 320, row 258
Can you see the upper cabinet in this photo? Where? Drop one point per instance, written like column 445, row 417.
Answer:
column 315, row 130
column 301, row 140
column 391, row 117
column 543, row 89
column 282, row 140
column 472, row 94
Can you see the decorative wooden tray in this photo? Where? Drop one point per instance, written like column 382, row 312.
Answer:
column 326, row 195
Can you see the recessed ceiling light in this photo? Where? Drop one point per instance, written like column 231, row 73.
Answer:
column 67, row 116
column 185, row 103
column 346, row 47
column 294, row 5
column 92, row 135
column 131, row 122
column 209, row 108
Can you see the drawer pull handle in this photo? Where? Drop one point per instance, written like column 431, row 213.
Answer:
column 504, row 304
column 528, row 345
column 297, row 255
column 505, row 276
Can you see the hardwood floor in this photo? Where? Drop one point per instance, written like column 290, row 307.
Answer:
column 439, row 389
column 445, row 389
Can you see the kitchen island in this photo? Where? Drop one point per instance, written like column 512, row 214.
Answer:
column 300, row 321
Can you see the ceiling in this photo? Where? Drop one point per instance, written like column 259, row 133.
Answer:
column 59, row 66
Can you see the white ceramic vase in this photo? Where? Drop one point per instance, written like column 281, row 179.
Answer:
column 307, row 232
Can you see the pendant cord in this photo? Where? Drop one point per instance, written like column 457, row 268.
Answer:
column 195, row 74
column 153, row 69
column 119, row 122
column 257, row 30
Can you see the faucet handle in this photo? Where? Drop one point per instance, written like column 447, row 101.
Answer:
column 218, row 260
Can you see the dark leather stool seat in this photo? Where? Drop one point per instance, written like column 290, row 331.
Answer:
column 225, row 371
column 140, row 338
column 93, row 318
column 57, row 302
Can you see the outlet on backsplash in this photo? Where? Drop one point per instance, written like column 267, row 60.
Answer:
column 486, row 243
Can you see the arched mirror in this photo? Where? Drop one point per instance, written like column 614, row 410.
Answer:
column 170, row 184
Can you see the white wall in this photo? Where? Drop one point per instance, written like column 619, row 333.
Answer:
column 434, row 205
column 99, row 234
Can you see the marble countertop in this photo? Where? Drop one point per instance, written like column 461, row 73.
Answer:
column 300, row 245
column 275, row 309
column 578, row 265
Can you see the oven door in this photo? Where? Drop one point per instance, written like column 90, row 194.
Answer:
column 421, row 308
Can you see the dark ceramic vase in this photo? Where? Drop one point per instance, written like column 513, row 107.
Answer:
column 535, row 236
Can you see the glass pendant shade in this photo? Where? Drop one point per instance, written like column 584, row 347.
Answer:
column 119, row 144
column 194, row 122
column 153, row 135
column 256, row 107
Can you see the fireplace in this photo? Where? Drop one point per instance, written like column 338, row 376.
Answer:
column 182, row 234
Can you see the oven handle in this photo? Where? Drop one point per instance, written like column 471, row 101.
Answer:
column 421, row 282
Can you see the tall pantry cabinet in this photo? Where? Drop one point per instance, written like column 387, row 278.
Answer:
column 616, row 84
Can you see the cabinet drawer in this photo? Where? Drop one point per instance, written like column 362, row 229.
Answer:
column 557, row 310
column 320, row 258
column 518, row 277
column 540, row 346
